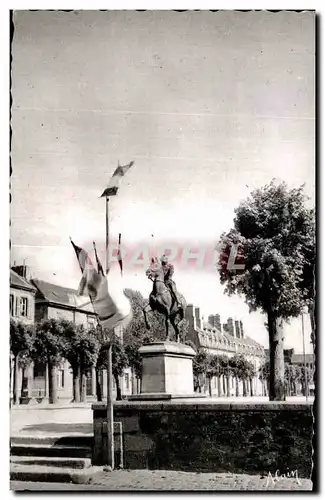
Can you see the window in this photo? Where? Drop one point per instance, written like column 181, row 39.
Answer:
column 11, row 304
column 23, row 306
column 90, row 320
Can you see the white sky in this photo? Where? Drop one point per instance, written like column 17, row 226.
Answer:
column 209, row 105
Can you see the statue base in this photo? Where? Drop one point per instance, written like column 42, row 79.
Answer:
column 167, row 372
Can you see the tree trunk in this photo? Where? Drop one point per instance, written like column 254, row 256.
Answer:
column 53, row 388
column 134, row 382
column 16, row 378
column 228, row 385
column 224, row 385
column 209, row 386
column 276, row 340
column 244, row 388
column 83, row 386
column 118, row 388
column 237, row 387
column 266, row 387
column 24, row 384
column 76, row 384
column 98, row 387
column 219, row 385
column 251, row 387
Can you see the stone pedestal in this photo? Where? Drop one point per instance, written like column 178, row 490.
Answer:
column 167, row 371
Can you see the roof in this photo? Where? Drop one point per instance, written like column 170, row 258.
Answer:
column 220, row 340
column 59, row 295
column 299, row 358
column 20, row 282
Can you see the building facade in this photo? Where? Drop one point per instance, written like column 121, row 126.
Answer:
column 33, row 300
column 229, row 340
column 21, row 308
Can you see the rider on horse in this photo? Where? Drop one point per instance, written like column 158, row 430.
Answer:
column 168, row 270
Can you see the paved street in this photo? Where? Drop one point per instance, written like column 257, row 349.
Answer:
column 172, row 480
column 72, row 419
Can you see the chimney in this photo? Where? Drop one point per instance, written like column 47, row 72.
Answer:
column 230, row 327
column 225, row 327
column 197, row 317
column 241, row 329
column 217, row 322
column 211, row 320
column 23, row 271
column 189, row 314
column 237, row 328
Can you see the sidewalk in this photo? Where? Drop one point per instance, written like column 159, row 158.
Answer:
column 51, row 420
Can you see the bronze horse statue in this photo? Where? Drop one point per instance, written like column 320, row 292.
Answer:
column 162, row 300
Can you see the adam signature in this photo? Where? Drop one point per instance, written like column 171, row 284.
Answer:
column 280, row 477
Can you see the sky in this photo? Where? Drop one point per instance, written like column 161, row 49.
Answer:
column 209, row 106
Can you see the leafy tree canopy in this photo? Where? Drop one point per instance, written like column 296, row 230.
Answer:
column 21, row 339
column 275, row 232
column 50, row 339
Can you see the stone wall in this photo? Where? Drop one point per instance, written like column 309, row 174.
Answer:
column 206, row 436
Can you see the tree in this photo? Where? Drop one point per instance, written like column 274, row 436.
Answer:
column 272, row 229
column 241, row 371
column 250, row 374
column 264, row 375
column 136, row 330
column 212, row 370
column 225, row 371
column 292, row 373
column 49, row 347
column 305, row 375
column 21, row 346
column 235, row 367
column 200, row 368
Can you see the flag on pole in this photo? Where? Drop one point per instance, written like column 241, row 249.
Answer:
column 115, row 180
column 99, row 264
column 110, row 304
column 119, row 255
column 82, row 256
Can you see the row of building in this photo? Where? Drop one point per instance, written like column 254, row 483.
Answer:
column 32, row 300
column 225, row 339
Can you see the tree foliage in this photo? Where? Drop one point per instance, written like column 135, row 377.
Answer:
column 81, row 346
column 50, row 340
column 274, row 230
column 21, row 347
column 21, row 339
column 49, row 347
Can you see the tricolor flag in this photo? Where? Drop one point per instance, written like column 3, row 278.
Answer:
column 114, row 183
column 110, row 304
column 82, row 256
column 99, row 264
column 119, row 255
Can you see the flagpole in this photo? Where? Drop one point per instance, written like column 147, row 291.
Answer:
column 110, row 411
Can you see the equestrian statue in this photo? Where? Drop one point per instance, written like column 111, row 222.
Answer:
column 164, row 297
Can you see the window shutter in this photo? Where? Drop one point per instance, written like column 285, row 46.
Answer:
column 17, row 306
